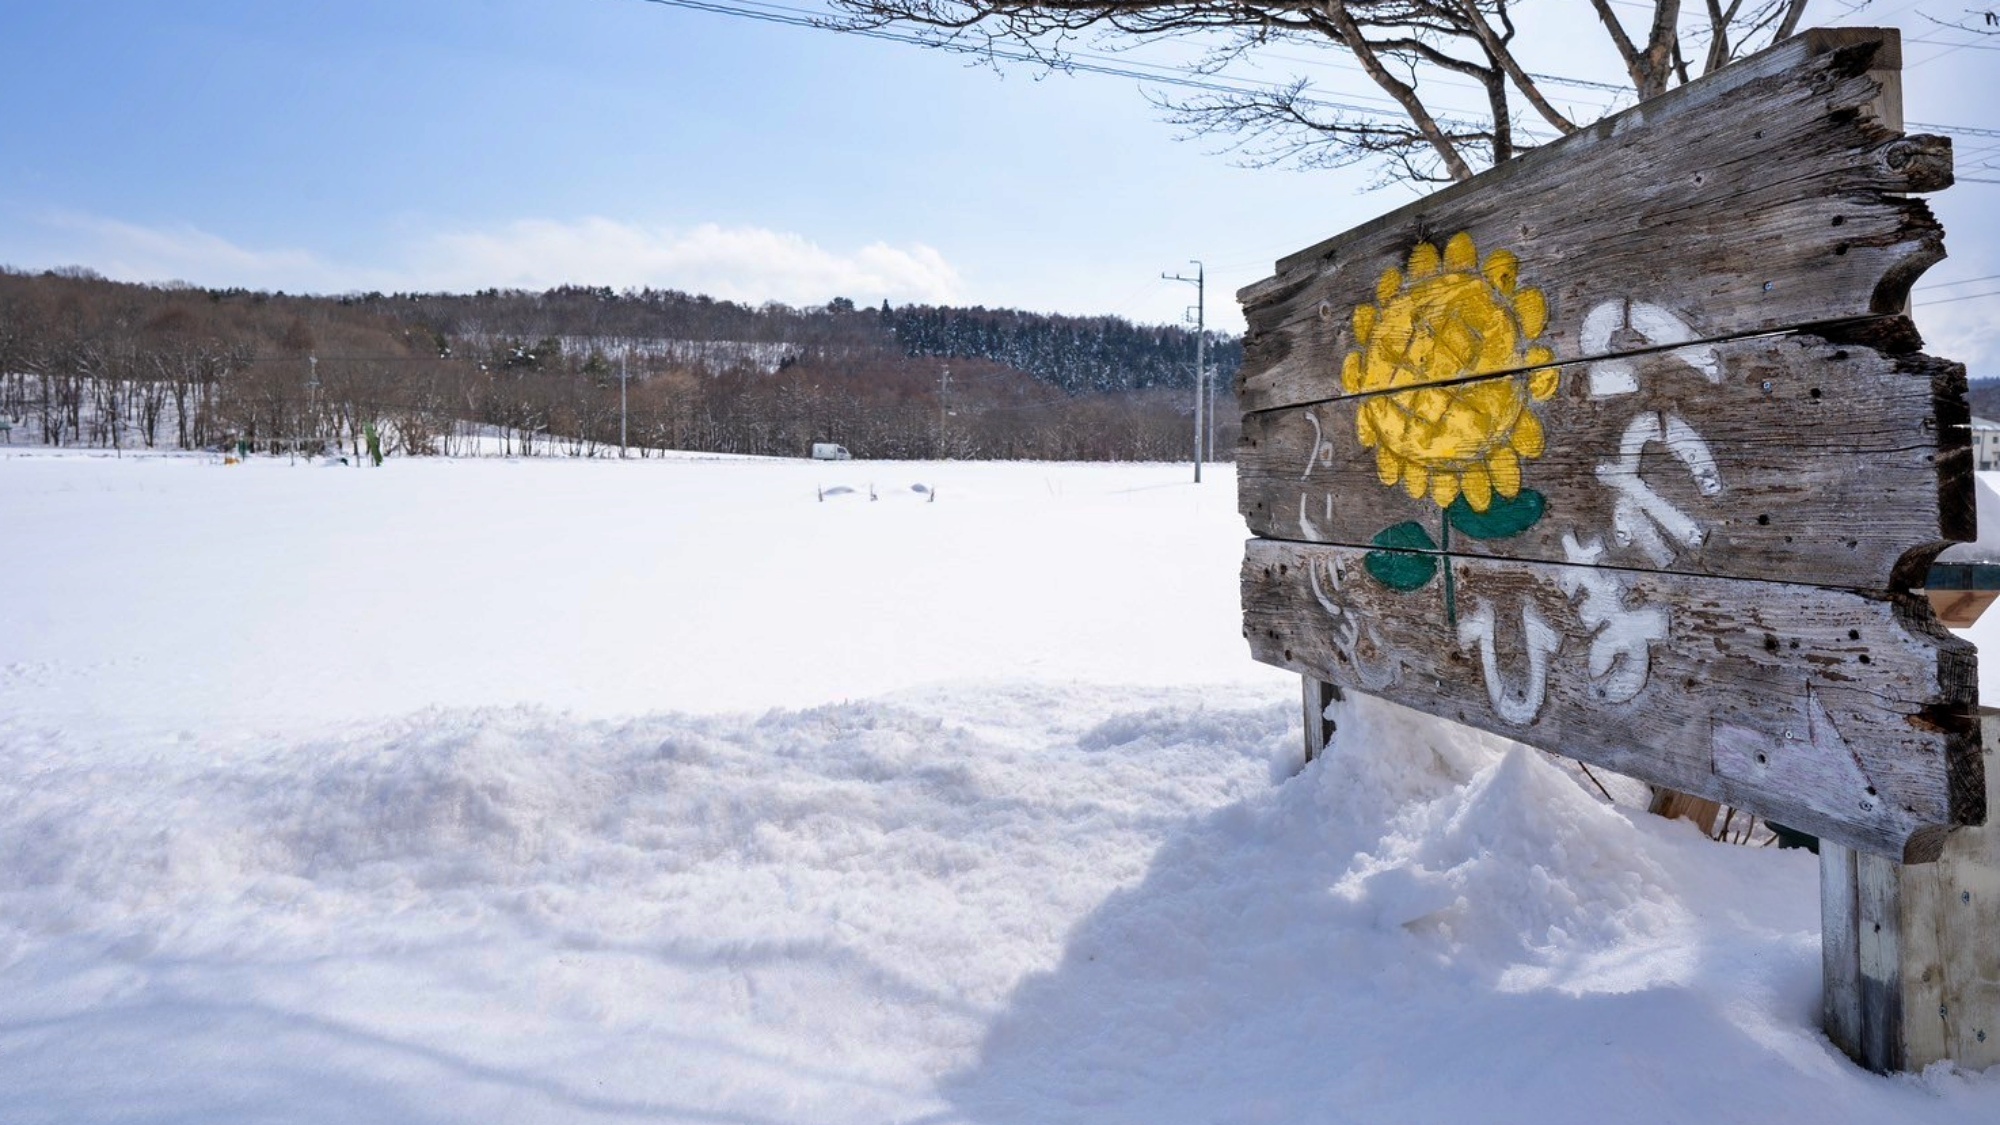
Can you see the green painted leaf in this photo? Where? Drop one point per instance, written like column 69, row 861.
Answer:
column 1401, row 571
column 1502, row 519
column 1404, row 569
column 1409, row 536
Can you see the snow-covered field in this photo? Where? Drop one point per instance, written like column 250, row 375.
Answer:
column 558, row 791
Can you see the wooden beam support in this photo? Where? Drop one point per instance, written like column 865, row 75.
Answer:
column 1911, row 954
column 1323, row 701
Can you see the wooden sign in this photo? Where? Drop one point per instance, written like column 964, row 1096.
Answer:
column 1623, row 450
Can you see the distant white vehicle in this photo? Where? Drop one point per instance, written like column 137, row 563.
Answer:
column 827, row 451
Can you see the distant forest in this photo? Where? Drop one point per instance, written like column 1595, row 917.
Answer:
column 1984, row 397
column 86, row 361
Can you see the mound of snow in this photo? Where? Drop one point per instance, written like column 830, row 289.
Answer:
column 455, row 793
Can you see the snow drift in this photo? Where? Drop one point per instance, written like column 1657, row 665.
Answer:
column 314, row 841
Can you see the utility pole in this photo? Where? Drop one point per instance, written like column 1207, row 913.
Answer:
column 312, row 393
column 622, row 357
column 944, row 389
column 1200, row 310
column 1209, row 374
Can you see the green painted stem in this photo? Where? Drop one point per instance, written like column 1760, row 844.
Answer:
column 1444, row 548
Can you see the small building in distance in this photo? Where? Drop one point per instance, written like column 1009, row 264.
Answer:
column 1985, row 444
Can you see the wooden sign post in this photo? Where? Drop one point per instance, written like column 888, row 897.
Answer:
column 1912, row 954
column 1624, row 450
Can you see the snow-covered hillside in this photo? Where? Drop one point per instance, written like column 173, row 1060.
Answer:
column 670, row 791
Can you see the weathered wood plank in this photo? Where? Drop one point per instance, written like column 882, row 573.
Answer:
column 1879, row 943
column 1948, row 933
column 1838, row 713
column 1966, row 898
column 1919, row 969
column 1839, row 947
column 1826, row 464
column 1765, row 197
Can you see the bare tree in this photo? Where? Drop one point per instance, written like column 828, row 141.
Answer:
column 1402, row 46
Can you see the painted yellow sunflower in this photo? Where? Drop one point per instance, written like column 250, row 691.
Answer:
column 1452, row 317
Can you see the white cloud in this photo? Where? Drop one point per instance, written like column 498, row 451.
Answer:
column 131, row 252
column 749, row 264
column 738, row 263
column 1962, row 331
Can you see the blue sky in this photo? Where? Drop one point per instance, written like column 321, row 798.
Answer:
column 459, row 144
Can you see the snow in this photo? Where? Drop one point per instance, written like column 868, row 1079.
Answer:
column 554, row 791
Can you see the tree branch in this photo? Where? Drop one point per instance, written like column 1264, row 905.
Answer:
column 1405, row 95
column 1397, row 43
column 1496, row 49
column 1623, row 42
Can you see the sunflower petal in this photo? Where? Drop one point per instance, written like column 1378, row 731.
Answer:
column 1388, row 466
column 1364, row 427
column 1350, row 373
column 1385, row 289
column 1459, row 254
column 1364, row 322
column 1542, row 384
column 1528, row 438
column 1444, row 488
column 1505, row 468
column 1416, row 480
column 1503, row 269
column 1478, row 488
column 1423, row 260
column 1533, row 309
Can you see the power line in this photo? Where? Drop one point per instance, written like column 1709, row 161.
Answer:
column 1950, row 284
column 1961, row 130
column 1082, row 62
column 794, row 17
column 1966, row 297
column 1955, row 46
